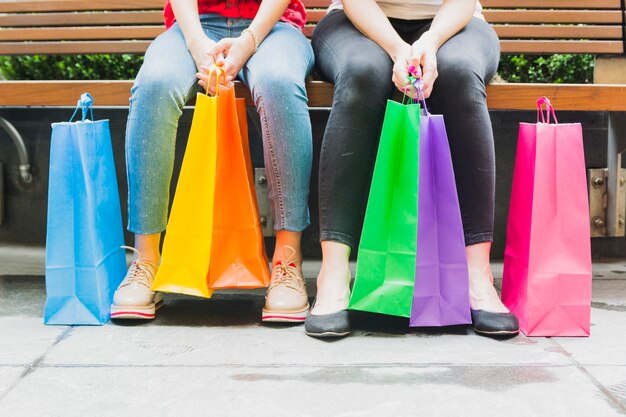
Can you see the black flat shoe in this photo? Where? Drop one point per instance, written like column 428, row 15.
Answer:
column 494, row 324
column 328, row 325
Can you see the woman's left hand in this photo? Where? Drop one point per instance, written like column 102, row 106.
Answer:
column 424, row 57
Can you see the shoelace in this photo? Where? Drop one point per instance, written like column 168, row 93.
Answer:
column 138, row 271
column 286, row 275
column 285, row 271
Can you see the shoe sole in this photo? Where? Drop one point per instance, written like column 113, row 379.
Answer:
column 284, row 316
column 135, row 313
column 328, row 335
column 498, row 333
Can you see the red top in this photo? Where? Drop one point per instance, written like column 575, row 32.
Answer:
column 245, row 9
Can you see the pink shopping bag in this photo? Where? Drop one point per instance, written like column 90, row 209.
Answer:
column 547, row 261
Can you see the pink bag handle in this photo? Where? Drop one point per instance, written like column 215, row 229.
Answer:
column 419, row 86
column 549, row 110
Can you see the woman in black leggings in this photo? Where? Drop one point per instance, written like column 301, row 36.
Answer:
column 364, row 47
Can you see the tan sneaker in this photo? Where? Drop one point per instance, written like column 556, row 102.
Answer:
column 286, row 299
column 134, row 298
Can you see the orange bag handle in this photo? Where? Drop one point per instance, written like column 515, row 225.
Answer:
column 218, row 71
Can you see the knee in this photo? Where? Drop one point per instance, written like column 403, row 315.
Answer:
column 364, row 79
column 158, row 85
column 278, row 83
column 458, row 75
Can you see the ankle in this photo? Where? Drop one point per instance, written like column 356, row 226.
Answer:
column 154, row 260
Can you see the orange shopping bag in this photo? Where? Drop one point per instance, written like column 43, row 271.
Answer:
column 213, row 237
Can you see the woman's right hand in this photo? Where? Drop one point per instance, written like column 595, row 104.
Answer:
column 200, row 48
column 401, row 61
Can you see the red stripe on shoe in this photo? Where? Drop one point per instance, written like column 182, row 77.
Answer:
column 285, row 317
column 131, row 313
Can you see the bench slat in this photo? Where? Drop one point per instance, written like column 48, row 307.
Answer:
column 137, row 47
column 558, row 32
column 552, row 4
column 314, row 16
column 65, row 48
column 19, row 6
column 593, row 97
column 554, row 16
column 316, row 3
column 81, row 19
column 542, row 47
column 77, row 33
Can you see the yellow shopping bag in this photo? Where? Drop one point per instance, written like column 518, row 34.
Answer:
column 213, row 237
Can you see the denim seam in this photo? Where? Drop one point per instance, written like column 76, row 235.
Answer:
column 331, row 50
column 322, row 213
column 187, row 91
column 270, row 149
column 128, row 203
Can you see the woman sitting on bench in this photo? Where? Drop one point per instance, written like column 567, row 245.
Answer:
column 364, row 47
column 264, row 46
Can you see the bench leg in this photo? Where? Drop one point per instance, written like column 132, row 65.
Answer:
column 616, row 187
column 22, row 153
column 265, row 208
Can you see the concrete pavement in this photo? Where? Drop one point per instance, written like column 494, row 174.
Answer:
column 214, row 358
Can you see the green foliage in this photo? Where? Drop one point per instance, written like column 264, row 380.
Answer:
column 564, row 68
column 70, row 67
column 560, row 68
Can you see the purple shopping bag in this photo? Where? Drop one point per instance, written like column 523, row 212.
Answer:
column 441, row 291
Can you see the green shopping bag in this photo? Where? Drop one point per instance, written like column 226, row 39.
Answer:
column 385, row 268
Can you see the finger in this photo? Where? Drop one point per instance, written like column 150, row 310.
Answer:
column 416, row 61
column 222, row 47
column 430, row 75
column 220, row 59
column 399, row 82
column 402, row 71
column 210, row 90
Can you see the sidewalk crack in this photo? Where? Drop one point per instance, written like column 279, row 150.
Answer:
column 612, row 399
column 30, row 368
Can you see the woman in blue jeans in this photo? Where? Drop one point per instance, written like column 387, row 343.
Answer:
column 365, row 48
column 262, row 44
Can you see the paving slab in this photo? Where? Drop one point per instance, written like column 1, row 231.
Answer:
column 308, row 391
column 607, row 344
column 613, row 379
column 24, row 340
column 609, row 294
column 9, row 375
column 193, row 331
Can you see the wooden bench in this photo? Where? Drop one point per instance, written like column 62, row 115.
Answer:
column 525, row 26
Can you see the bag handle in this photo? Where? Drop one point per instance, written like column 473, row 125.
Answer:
column 218, row 70
column 549, row 110
column 418, row 84
column 84, row 103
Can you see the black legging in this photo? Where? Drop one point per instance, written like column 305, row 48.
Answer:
column 361, row 72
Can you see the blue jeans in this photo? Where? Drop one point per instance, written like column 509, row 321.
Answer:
column 275, row 75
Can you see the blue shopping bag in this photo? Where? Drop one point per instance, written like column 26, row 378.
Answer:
column 84, row 261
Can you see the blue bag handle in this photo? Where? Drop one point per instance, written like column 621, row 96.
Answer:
column 85, row 104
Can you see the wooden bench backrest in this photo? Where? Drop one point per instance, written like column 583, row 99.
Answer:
column 115, row 26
